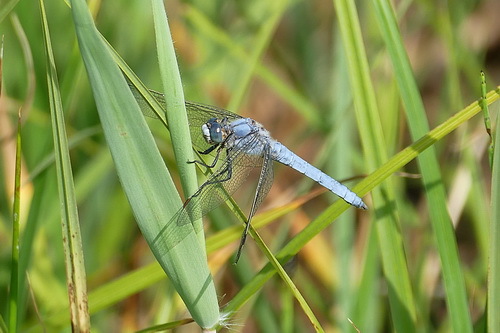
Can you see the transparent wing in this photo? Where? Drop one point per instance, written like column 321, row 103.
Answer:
column 265, row 181
column 231, row 172
column 227, row 178
column 263, row 187
column 198, row 114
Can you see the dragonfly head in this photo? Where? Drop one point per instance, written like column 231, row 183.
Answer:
column 213, row 131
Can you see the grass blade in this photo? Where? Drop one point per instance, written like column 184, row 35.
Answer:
column 75, row 268
column 174, row 99
column 288, row 281
column 14, row 277
column 493, row 321
column 486, row 116
column 436, row 195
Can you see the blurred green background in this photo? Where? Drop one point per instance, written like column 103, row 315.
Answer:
column 283, row 64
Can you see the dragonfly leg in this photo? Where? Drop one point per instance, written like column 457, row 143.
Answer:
column 227, row 169
column 242, row 241
column 209, row 150
column 263, row 187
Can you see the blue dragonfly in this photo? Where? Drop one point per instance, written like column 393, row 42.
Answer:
column 238, row 145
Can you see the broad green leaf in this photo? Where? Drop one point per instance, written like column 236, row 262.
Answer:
column 144, row 177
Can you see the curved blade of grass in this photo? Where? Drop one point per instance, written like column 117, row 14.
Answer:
column 14, row 276
column 233, row 233
column 288, row 281
column 72, row 242
column 7, row 8
column 143, row 175
column 486, row 116
column 374, row 179
column 13, row 294
column 277, row 266
column 453, row 278
column 493, row 321
column 175, row 104
column 174, row 100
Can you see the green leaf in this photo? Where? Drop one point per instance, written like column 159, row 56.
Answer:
column 144, row 177
column 493, row 321
column 72, row 242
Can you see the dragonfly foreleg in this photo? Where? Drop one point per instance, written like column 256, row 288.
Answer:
column 209, row 150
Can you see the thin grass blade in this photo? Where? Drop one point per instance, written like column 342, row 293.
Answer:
column 174, row 99
column 456, row 294
column 14, row 277
column 72, row 242
column 288, row 281
column 493, row 319
column 486, row 116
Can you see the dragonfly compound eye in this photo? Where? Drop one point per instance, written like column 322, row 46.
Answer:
column 212, row 131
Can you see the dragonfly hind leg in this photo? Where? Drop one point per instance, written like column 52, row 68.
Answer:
column 263, row 187
column 228, row 169
column 242, row 241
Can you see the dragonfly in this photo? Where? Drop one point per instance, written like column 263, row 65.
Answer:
column 237, row 145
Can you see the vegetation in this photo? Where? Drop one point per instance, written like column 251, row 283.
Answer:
column 386, row 97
